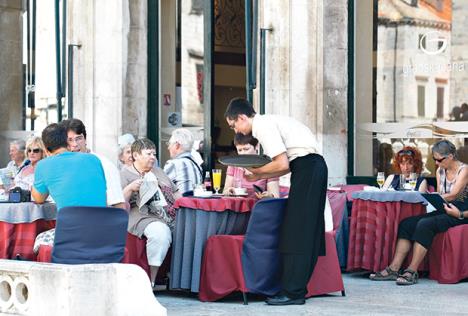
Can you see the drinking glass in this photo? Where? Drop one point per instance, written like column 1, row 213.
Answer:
column 380, row 179
column 216, row 179
column 412, row 180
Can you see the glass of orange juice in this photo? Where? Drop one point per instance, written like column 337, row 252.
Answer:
column 216, row 179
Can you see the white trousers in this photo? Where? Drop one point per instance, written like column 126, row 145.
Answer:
column 159, row 239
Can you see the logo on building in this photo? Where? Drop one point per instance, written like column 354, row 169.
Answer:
column 433, row 43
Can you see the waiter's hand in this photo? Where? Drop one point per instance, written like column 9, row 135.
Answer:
column 252, row 177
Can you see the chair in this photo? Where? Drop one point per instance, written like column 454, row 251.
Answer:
column 90, row 235
column 250, row 263
column 448, row 255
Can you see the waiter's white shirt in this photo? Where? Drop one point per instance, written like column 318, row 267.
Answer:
column 278, row 134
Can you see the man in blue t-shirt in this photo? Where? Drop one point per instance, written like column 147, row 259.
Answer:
column 72, row 179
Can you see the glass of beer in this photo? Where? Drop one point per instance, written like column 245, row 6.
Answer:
column 412, row 180
column 216, row 179
column 380, row 179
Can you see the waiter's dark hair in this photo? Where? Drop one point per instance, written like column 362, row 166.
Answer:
column 54, row 137
column 238, row 106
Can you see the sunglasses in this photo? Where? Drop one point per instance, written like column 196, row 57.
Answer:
column 405, row 153
column 439, row 160
column 35, row 150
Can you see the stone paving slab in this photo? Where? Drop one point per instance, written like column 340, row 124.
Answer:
column 363, row 297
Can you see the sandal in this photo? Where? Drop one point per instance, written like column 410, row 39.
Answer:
column 408, row 277
column 379, row 276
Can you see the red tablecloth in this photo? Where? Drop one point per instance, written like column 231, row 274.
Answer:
column 18, row 239
column 373, row 232
column 236, row 204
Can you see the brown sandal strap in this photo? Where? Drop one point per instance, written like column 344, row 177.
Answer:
column 411, row 278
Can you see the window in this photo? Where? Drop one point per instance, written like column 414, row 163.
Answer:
column 411, row 74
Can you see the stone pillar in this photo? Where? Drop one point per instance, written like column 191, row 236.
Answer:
column 110, row 73
column 11, row 100
column 297, row 85
column 459, row 57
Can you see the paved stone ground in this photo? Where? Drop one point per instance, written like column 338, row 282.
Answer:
column 363, row 297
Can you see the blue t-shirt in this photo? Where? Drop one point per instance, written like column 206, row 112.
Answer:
column 72, row 179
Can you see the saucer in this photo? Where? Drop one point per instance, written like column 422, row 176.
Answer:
column 204, row 194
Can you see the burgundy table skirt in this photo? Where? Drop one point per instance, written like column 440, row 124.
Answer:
column 373, row 232
column 18, row 239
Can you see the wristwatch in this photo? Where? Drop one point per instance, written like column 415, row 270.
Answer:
column 461, row 215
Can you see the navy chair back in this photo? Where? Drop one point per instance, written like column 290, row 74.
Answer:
column 90, row 235
column 260, row 255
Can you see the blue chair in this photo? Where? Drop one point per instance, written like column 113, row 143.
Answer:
column 260, row 256
column 86, row 234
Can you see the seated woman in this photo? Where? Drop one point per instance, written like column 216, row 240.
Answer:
column 452, row 179
column 34, row 152
column 151, row 195
column 125, row 153
column 247, row 145
column 405, row 162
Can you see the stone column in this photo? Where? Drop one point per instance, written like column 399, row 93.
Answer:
column 459, row 57
column 11, row 100
column 110, row 75
column 306, row 72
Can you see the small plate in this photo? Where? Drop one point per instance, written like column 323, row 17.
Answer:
column 204, row 195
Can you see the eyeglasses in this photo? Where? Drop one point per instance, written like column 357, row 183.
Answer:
column 35, row 150
column 405, row 153
column 439, row 160
column 75, row 139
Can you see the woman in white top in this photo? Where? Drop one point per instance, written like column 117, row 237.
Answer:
column 35, row 151
column 452, row 174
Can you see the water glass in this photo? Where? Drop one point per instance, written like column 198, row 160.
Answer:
column 412, row 180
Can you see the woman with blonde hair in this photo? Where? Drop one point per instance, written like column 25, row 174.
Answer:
column 34, row 152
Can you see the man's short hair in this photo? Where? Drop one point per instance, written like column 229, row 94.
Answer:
column 241, row 139
column 74, row 125
column 54, row 137
column 19, row 143
column 141, row 144
column 184, row 137
column 238, row 106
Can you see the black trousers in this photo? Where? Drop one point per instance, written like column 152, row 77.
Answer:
column 303, row 229
column 423, row 228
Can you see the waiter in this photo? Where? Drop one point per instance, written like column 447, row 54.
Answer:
column 291, row 146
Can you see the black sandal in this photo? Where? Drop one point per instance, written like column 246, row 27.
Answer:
column 378, row 276
column 408, row 277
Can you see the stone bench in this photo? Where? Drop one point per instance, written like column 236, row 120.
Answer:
column 32, row 288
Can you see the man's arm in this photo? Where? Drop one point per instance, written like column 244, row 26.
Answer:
column 38, row 197
column 278, row 167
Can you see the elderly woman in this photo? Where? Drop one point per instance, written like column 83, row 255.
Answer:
column 247, row 145
column 125, row 152
column 452, row 178
column 151, row 195
column 405, row 162
column 34, row 152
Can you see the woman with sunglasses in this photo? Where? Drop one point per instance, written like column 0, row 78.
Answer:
column 406, row 161
column 418, row 232
column 34, row 152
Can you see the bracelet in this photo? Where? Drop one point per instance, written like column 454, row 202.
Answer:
column 461, row 215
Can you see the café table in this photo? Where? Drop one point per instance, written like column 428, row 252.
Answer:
column 20, row 223
column 196, row 220
column 374, row 223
